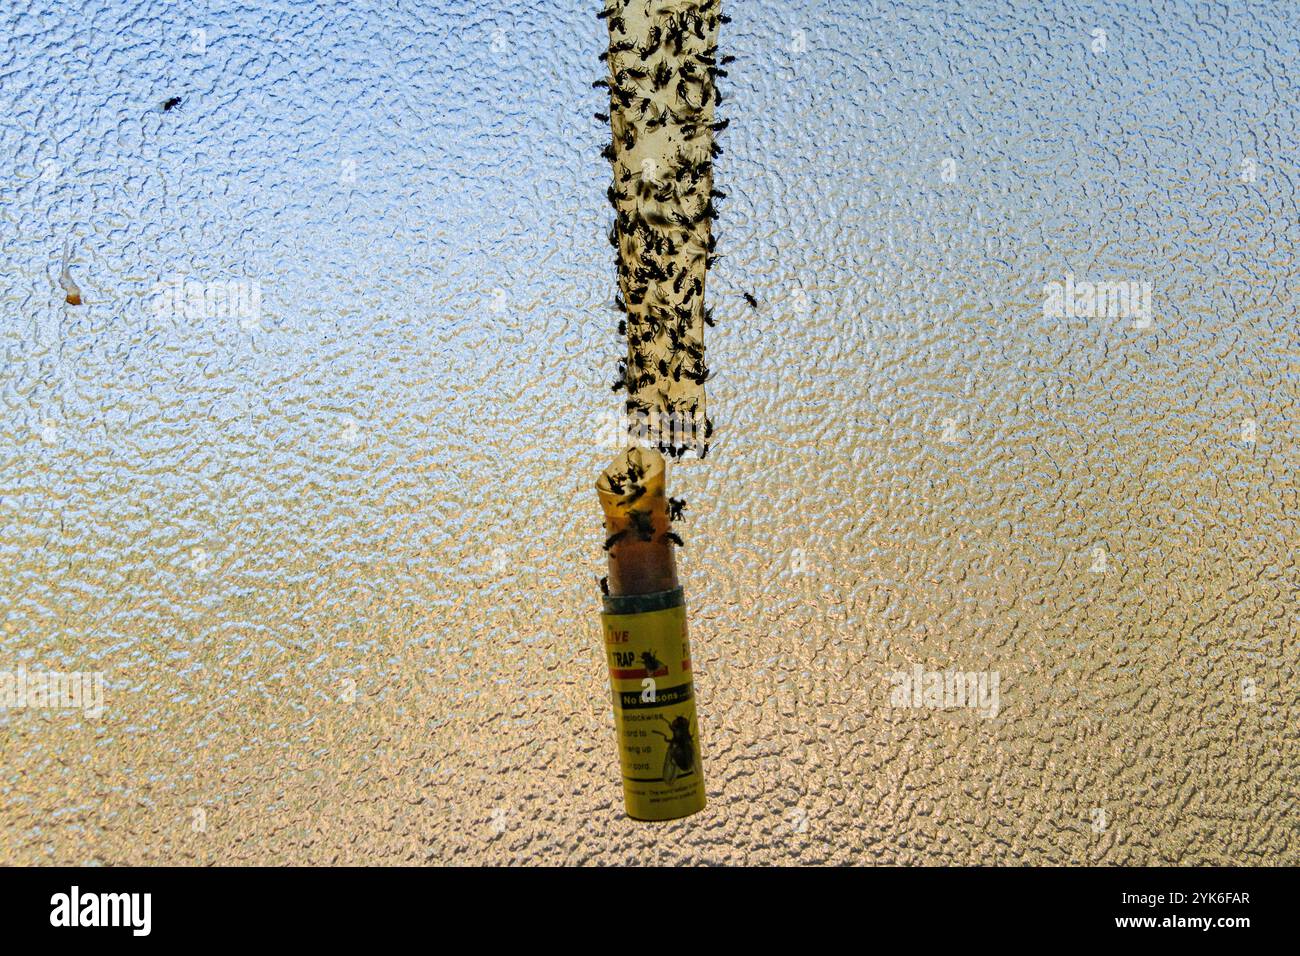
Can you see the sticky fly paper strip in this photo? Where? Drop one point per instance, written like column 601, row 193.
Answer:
column 662, row 70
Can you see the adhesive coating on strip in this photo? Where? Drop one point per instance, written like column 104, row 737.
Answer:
column 662, row 71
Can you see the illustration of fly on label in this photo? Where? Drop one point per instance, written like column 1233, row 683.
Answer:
column 680, row 755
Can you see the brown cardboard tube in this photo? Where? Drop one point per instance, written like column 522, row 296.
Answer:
column 632, row 494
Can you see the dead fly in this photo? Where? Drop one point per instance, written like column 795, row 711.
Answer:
column 708, row 318
column 657, row 319
column 664, row 117
column 634, row 494
column 753, row 303
column 644, row 526
column 615, row 538
column 601, row 117
column 675, row 508
column 674, row 35
column 615, row 21
column 604, row 585
column 620, row 383
column 652, row 44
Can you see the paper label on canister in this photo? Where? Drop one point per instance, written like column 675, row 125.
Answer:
column 649, row 659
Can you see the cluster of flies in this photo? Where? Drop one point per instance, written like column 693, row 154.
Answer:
column 664, row 85
column 629, row 484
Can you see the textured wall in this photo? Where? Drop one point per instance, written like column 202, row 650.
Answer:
column 336, row 554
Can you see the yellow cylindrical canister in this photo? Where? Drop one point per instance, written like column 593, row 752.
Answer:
column 649, row 657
